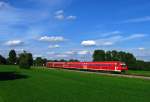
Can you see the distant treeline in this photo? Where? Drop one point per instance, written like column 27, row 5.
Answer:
column 39, row 61
column 128, row 58
column 25, row 60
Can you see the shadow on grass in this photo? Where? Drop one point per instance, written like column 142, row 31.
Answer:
column 4, row 76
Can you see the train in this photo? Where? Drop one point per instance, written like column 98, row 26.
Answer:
column 113, row 66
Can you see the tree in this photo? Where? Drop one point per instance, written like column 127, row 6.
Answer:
column 140, row 65
column 63, row 60
column 25, row 60
column 30, row 58
column 55, row 60
column 99, row 55
column 73, row 60
column 12, row 59
column 44, row 61
column 39, row 61
column 147, row 66
column 2, row 60
column 108, row 56
column 130, row 60
column 115, row 55
column 122, row 56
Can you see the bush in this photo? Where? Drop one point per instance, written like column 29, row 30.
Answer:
column 25, row 60
column 2, row 60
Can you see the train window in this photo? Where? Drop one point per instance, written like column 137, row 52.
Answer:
column 123, row 65
column 99, row 64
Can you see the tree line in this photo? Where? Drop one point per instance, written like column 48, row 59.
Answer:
column 25, row 60
column 128, row 58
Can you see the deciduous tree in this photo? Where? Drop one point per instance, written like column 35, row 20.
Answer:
column 99, row 55
column 12, row 59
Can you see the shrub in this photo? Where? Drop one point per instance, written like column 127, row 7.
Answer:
column 25, row 60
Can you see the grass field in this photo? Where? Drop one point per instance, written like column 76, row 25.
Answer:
column 41, row 85
column 142, row 73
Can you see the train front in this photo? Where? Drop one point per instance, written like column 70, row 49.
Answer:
column 123, row 66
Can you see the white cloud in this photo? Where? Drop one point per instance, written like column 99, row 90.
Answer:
column 59, row 12
column 4, row 5
column 37, row 55
column 115, row 39
column 55, row 55
column 52, row 39
column 137, row 20
column 84, row 52
column 76, row 54
column 19, row 50
column 110, row 33
column 71, row 52
column 107, row 43
column 71, row 17
column 12, row 17
column 60, row 17
column 14, row 43
column 88, row 43
column 9, row 15
column 135, row 36
column 61, row 56
column 112, row 40
column 141, row 49
column 102, row 42
column 53, row 46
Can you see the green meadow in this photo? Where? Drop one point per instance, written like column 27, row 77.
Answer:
column 139, row 72
column 55, row 85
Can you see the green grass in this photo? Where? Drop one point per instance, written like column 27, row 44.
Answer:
column 137, row 72
column 42, row 85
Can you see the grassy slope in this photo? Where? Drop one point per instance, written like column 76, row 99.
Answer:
column 64, row 86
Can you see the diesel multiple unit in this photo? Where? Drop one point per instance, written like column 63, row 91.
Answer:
column 115, row 66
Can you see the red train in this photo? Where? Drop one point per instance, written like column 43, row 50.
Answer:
column 115, row 66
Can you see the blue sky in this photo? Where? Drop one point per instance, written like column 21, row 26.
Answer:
column 57, row 29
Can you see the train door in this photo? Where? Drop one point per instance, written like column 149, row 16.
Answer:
column 84, row 65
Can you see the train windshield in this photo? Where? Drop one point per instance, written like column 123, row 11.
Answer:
column 123, row 65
